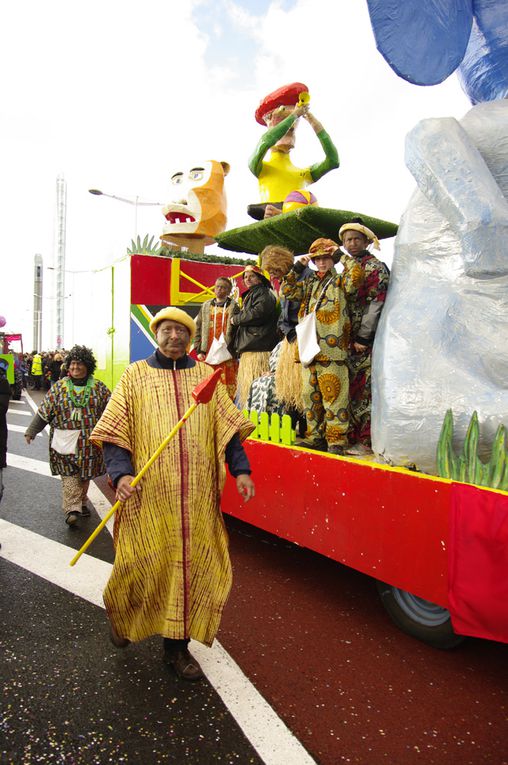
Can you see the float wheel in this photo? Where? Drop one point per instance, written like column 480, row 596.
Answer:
column 418, row 617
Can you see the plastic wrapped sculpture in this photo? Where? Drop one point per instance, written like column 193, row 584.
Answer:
column 442, row 342
column 280, row 111
column 197, row 211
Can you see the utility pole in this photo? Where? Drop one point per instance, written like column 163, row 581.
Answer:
column 38, row 275
column 61, row 215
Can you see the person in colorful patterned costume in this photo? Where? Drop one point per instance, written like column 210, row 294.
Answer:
column 72, row 409
column 172, row 572
column 213, row 321
column 276, row 174
column 325, row 380
column 365, row 306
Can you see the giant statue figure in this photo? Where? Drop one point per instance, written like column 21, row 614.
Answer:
column 280, row 112
column 442, row 341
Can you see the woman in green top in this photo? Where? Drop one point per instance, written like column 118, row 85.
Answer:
column 72, row 408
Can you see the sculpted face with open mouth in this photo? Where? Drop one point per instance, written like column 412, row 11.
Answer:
column 198, row 208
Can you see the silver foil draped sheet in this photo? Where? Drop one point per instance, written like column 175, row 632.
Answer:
column 442, row 341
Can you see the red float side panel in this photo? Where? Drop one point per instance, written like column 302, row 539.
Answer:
column 204, row 273
column 150, row 280
column 388, row 523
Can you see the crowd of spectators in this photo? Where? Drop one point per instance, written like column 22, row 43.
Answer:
column 39, row 371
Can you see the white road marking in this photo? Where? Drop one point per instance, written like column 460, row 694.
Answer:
column 31, row 403
column 22, row 414
column 95, row 495
column 267, row 733
column 26, row 463
column 18, row 429
column 50, row 560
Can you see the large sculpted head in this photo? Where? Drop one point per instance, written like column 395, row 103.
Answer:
column 198, row 202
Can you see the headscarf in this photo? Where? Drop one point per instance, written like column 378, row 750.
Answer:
column 259, row 271
column 321, row 248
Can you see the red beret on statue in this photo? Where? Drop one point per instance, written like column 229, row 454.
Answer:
column 288, row 95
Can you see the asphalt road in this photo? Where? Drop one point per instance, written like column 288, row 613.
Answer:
column 307, row 667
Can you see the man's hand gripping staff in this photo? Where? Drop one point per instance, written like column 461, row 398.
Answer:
column 201, row 394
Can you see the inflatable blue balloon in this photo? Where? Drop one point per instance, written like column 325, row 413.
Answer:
column 425, row 42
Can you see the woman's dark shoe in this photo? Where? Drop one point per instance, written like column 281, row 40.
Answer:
column 85, row 511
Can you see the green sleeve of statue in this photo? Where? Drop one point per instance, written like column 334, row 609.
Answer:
column 269, row 139
column 331, row 160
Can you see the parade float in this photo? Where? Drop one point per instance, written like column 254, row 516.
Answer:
column 437, row 545
column 427, row 518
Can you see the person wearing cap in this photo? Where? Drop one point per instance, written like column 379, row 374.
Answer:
column 172, row 572
column 325, row 380
column 271, row 163
column 365, row 306
column 72, row 407
column 255, row 330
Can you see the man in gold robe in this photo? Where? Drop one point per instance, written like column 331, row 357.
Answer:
column 172, row 572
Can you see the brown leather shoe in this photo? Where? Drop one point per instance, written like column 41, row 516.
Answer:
column 184, row 664
column 118, row 642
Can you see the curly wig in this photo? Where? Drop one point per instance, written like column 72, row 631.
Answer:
column 276, row 256
column 83, row 354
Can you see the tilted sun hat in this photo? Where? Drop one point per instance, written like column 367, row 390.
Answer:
column 173, row 314
column 359, row 226
column 321, row 247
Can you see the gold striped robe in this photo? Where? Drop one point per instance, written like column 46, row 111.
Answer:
column 172, row 572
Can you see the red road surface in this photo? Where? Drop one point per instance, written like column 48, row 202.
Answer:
column 315, row 640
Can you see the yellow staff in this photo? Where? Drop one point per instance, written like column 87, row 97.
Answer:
column 201, row 394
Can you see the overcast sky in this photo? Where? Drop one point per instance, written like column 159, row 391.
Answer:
column 117, row 95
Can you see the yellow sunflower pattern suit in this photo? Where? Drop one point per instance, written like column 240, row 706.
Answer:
column 325, row 381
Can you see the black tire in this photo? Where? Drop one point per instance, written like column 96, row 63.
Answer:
column 418, row 617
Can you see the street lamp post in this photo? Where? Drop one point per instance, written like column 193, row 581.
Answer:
column 135, row 201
